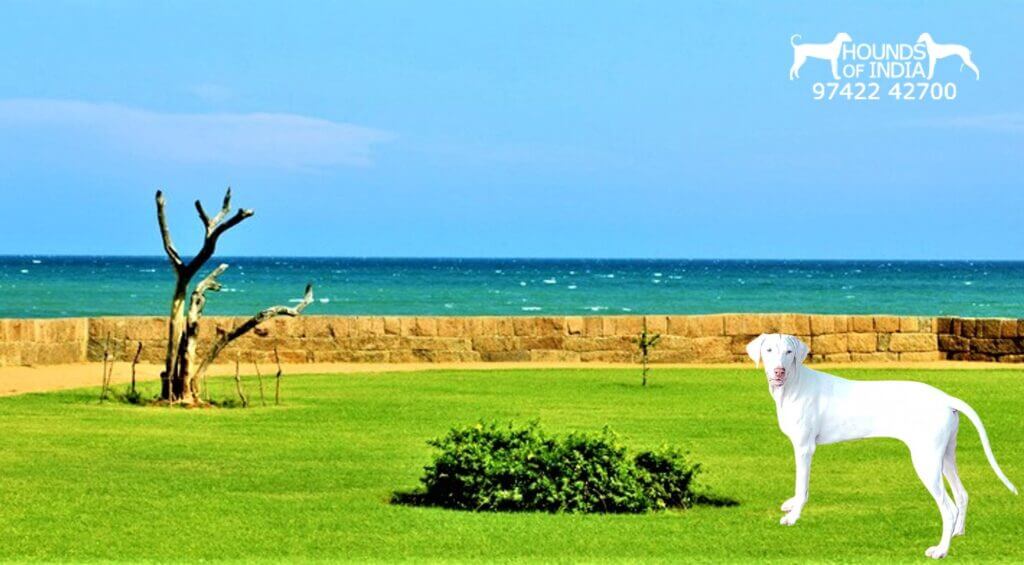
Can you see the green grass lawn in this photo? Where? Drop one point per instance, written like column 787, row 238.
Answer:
column 312, row 479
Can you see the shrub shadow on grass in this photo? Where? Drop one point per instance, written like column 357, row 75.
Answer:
column 421, row 499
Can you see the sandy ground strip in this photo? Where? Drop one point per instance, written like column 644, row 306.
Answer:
column 21, row 380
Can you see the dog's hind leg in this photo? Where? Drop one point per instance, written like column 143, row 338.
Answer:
column 955, row 485
column 927, row 459
column 970, row 64
column 798, row 61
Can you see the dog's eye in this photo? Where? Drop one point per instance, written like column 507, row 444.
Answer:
column 788, row 351
column 769, row 350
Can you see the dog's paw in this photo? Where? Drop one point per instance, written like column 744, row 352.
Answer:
column 789, row 504
column 789, row 519
column 935, row 552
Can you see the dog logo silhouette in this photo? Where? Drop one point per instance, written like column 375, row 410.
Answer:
column 938, row 51
column 827, row 51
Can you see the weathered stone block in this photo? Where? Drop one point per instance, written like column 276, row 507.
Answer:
column 545, row 342
column 909, row 324
column 712, row 349
column 836, row 358
column 953, row 343
column 829, row 324
column 610, row 343
column 875, row 357
column 482, row 326
column 505, row 356
column 574, row 325
column 1008, row 328
column 997, row 346
column 919, row 356
column 943, row 325
column 905, row 342
column 862, row 342
column 550, row 326
column 392, row 325
column 862, row 324
column 887, row 324
column 829, row 343
column 554, row 356
column 657, row 324
column 607, row 356
column 991, row 327
column 494, row 343
column 628, row 325
column 673, row 356
column 450, row 326
column 524, row 326
column 968, row 327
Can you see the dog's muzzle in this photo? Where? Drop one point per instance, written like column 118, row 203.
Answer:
column 778, row 376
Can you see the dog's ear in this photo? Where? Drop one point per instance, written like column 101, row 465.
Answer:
column 754, row 349
column 800, row 349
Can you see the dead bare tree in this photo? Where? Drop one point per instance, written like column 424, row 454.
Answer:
column 181, row 373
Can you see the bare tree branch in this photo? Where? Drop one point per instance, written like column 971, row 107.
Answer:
column 210, row 223
column 165, row 233
column 238, row 331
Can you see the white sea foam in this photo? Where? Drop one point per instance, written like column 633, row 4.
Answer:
column 571, row 287
column 449, row 305
column 550, row 281
column 36, row 261
column 24, row 271
column 627, row 309
column 325, row 300
column 596, row 308
column 657, row 274
column 522, row 283
column 147, row 270
column 531, row 308
column 656, row 281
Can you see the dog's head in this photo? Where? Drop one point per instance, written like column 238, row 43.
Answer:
column 843, row 37
column 925, row 38
column 782, row 355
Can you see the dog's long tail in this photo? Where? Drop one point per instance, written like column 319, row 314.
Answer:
column 960, row 405
column 792, row 39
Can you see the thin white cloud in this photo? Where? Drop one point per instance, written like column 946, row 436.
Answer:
column 1008, row 122
column 257, row 139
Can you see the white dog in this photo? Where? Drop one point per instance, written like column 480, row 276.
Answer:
column 827, row 51
column 938, row 51
column 816, row 408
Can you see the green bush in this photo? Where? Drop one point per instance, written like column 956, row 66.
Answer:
column 509, row 468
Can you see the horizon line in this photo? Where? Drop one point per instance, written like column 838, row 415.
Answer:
column 507, row 258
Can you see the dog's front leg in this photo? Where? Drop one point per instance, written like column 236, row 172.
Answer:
column 803, row 451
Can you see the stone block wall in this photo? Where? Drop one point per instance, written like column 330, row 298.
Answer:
column 719, row 338
column 716, row 338
column 42, row 342
column 982, row 339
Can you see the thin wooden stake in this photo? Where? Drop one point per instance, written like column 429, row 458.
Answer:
column 238, row 384
column 277, row 384
column 138, row 354
column 259, row 376
column 106, row 374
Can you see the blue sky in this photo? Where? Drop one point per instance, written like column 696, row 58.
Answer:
column 497, row 129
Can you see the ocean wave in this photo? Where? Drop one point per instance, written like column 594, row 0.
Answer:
column 531, row 308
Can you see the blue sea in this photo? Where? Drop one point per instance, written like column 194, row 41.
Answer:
column 44, row 286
